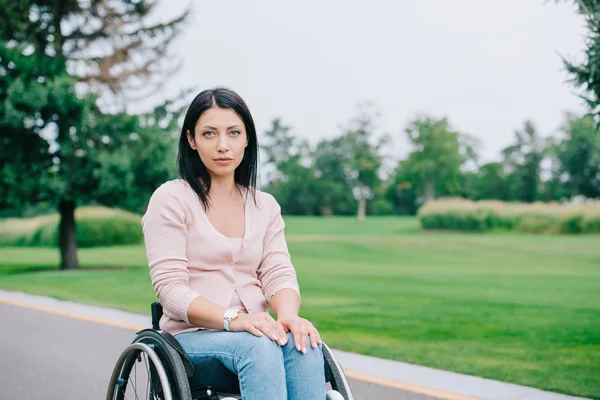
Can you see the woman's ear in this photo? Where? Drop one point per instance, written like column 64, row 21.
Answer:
column 190, row 139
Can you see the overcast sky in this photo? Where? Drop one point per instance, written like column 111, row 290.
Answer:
column 487, row 65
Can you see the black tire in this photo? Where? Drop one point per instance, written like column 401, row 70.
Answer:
column 165, row 371
column 180, row 385
column 124, row 380
column 338, row 378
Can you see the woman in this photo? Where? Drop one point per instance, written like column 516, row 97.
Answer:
column 218, row 259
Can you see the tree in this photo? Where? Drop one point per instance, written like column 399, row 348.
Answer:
column 438, row 155
column 24, row 101
column 361, row 154
column 523, row 163
column 291, row 176
column 106, row 46
column 491, row 182
column 586, row 74
column 403, row 191
column 578, row 152
column 333, row 191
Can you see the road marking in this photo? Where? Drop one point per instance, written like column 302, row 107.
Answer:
column 405, row 386
column 73, row 315
column 349, row 373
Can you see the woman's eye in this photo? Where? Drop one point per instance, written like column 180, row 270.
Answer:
column 208, row 133
column 234, row 133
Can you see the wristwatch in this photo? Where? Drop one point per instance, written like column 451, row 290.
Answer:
column 229, row 316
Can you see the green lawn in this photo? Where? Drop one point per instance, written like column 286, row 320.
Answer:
column 517, row 308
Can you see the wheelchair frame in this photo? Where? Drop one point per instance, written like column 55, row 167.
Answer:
column 172, row 370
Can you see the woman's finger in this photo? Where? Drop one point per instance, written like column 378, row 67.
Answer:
column 297, row 334
column 253, row 330
column 304, row 337
column 280, row 332
column 314, row 337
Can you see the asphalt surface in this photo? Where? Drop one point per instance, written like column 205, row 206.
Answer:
column 45, row 356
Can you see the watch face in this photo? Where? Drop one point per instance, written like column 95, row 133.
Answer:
column 230, row 314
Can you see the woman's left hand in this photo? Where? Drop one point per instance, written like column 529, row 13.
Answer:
column 301, row 329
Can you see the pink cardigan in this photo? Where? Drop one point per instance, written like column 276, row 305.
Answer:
column 188, row 257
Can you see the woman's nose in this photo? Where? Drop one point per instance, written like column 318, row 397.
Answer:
column 222, row 144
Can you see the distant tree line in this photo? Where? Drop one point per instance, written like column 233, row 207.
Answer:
column 344, row 175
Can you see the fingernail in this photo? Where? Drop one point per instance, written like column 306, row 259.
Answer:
column 304, row 350
column 298, row 347
column 275, row 337
column 283, row 341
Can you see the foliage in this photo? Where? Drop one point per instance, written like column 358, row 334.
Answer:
column 523, row 162
column 586, row 74
column 56, row 57
column 483, row 216
column 332, row 177
column 578, row 153
column 96, row 226
column 434, row 167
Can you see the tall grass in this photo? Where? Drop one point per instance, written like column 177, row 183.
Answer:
column 483, row 216
column 96, row 226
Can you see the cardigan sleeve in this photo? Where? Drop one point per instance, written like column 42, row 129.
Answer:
column 276, row 271
column 165, row 237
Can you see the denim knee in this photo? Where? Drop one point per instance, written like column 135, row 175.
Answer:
column 264, row 350
column 312, row 359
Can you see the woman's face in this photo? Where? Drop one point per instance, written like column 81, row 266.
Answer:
column 220, row 140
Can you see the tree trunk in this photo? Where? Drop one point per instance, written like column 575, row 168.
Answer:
column 429, row 190
column 362, row 209
column 68, row 235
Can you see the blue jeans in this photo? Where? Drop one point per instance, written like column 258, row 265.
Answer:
column 265, row 370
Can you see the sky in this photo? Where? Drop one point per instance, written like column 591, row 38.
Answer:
column 486, row 65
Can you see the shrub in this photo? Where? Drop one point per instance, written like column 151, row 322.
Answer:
column 96, row 226
column 483, row 216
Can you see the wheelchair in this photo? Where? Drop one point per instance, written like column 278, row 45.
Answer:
column 154, row 366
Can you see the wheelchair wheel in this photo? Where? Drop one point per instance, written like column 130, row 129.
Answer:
column 338, row 381
column 139, row 374
column 149, row 369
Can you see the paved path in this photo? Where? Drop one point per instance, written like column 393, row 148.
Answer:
column 51, row 349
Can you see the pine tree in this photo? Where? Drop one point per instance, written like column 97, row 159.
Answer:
column 50, row 47
column 586, row 74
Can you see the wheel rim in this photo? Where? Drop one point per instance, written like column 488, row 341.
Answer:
column 142, row 376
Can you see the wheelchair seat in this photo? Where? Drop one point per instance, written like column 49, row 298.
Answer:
column 212, row 374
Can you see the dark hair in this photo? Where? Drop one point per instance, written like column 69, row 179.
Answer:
column 190, row 166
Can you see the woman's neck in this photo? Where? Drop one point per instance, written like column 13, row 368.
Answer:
column 224, row 189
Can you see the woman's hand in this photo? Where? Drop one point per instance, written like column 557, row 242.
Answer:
column 301, row 329
column 259, row 324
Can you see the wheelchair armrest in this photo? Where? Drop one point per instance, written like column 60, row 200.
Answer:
column 157, row 312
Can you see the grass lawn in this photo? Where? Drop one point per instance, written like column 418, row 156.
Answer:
column 518, row 308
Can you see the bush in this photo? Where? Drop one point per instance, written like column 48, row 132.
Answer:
column 96, row 226
column 483, row 216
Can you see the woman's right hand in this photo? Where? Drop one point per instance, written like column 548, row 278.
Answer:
column 259, row 324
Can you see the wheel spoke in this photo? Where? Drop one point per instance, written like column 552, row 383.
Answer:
column 149, row 383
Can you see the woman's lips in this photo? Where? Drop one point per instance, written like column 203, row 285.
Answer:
column 223, row 161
